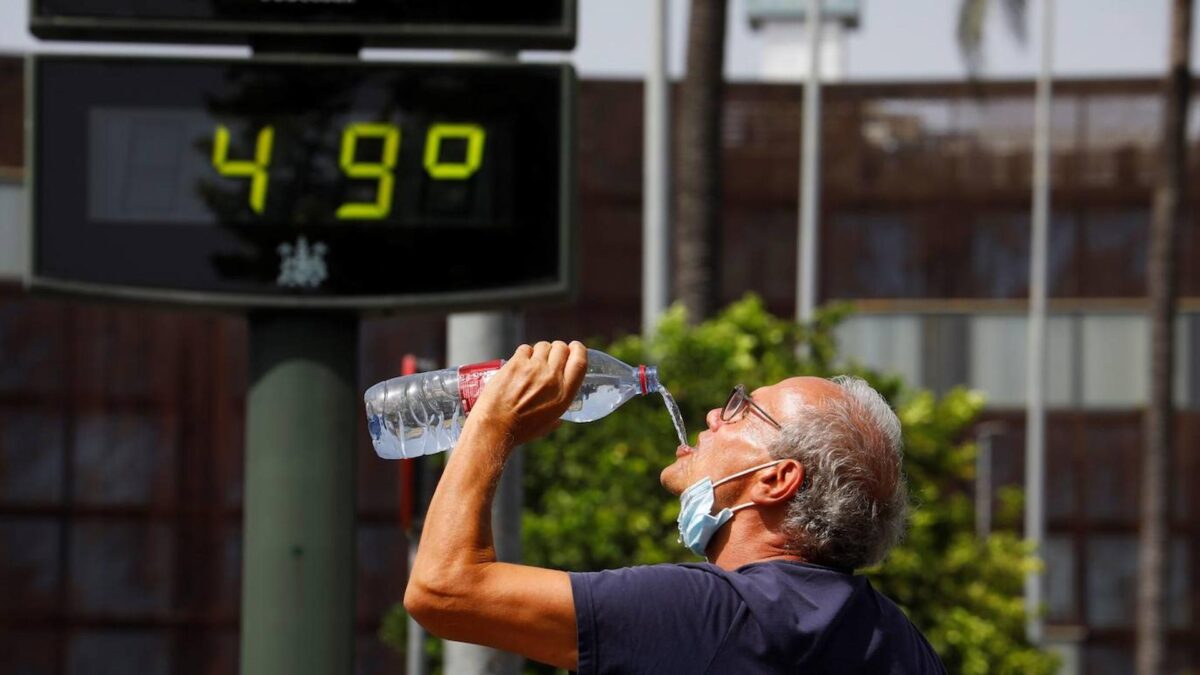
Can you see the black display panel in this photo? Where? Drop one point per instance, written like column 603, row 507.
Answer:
column 545, row 24
column 334, row 183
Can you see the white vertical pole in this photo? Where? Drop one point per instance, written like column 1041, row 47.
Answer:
column 810, row 159
column 473, row 337
column 983, row 487
column 414, row 661
column 656, row 175
column 1035, row 416
column 985, row 436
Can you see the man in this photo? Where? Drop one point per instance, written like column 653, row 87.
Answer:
column 806, row 481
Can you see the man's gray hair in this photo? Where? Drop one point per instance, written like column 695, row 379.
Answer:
column 853, row 503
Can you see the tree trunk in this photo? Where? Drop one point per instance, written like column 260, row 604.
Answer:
column 698, row 206
column 1161, row 286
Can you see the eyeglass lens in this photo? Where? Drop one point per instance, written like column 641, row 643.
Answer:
column 737, row 401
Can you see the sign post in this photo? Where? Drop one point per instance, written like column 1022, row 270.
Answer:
column 298, row 559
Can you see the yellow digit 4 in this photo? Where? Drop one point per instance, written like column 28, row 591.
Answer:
column 255, row 170
column 475, row 137
column 381, row 170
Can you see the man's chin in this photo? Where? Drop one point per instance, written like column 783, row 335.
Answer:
column 669, row 478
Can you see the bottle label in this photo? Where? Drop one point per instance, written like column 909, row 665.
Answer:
column 471, row 379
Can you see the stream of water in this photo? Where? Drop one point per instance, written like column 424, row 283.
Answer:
column 676, row 416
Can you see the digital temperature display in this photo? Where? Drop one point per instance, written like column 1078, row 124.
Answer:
column 329, row 183
column 188, row 166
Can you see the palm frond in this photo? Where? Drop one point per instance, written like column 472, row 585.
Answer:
column 1016, row 11
column 972, row 17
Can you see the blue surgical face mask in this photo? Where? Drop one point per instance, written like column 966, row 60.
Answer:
column 697, row 525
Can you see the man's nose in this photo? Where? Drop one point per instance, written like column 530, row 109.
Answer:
column 713, row 418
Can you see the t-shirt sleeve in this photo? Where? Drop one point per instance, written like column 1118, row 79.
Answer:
column 653, row 619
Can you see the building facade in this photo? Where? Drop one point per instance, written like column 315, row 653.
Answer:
column 121, row 426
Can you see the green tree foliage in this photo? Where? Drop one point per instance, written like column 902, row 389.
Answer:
column 593, row 499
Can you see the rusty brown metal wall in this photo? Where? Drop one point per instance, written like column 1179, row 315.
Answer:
column 121, row 451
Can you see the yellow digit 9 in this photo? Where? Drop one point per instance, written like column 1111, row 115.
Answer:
column 475, row 137
column 255, row 170
column 381, row 170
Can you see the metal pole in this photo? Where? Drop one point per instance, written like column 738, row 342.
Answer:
column 415, row 662
column 983, row 487
column 1035, row 432
column 474, row 337
column 298, row 564
column 810, row 160
column 656, row 178
column 983, row 477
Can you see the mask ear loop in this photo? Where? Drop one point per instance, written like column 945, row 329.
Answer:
column 760, row 467
column 746, row 471
column 726, row 479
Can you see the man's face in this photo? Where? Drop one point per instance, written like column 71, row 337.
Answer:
column 726, row 447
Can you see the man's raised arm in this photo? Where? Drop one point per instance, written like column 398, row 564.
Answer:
column 456, row 589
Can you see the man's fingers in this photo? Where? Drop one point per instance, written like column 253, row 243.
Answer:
column 576, row 367
column 558, row 355
column 524, row 352
column 540, row 351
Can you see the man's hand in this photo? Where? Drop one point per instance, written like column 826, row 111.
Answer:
column 532, row 390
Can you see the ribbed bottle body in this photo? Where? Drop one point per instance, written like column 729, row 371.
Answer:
column 422, row 414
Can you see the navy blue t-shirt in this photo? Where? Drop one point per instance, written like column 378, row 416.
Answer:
column 766, row 617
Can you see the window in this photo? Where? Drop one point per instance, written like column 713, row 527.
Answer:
column 879, row 255
column 1115, row 253
column 31, row 456
column 1114, row 360
column 1112, row 586
column 12, row 228
column 1112, row 447
column 885, row 342
column 999, row 344
column 29, row 556
column 1059, row 555
column 122, row 567
column 123, row 458
column 113, row 652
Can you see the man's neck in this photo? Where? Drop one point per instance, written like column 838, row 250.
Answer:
column 747, row 540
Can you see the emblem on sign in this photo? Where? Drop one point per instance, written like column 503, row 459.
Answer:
column 302, row 265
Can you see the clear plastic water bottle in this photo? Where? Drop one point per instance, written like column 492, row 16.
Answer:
column 423, row 414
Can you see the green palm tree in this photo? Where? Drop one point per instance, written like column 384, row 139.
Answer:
column 1161, row 287
column 697, row 269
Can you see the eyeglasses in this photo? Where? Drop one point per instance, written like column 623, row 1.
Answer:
column 736, row 405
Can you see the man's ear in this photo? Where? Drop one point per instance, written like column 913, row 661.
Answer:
column 781, row 483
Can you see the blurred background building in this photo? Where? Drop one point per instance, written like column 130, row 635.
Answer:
column 121, row 427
